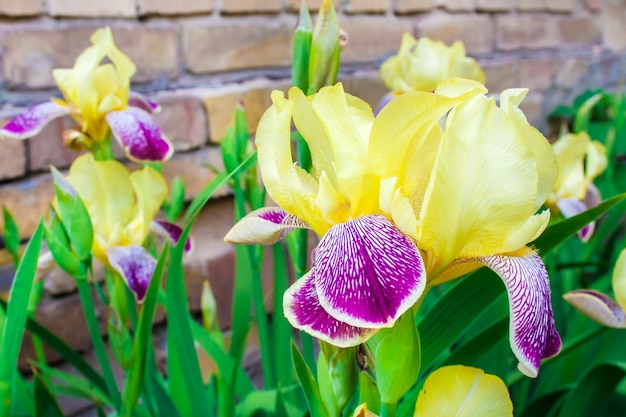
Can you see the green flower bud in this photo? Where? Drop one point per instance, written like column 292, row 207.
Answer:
column 325, row 49
column 302, row 50
column 208, row 306
column 342, row 370
column 59, row 245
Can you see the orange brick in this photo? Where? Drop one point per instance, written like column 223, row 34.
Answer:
column 22, row 7
column 237, row 44
column 82, row 8
column 28, row 200
column 452, row 27
column 169, row 7
column 371, row 37
column 183, row 120
column 412, row 6
column 526, row 31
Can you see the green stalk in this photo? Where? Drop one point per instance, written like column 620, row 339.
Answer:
column 388, row 410
column 96, row 337
column 102, row 150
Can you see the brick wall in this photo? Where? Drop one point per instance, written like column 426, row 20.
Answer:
column 199, row 58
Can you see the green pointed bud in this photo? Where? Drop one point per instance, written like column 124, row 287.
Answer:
column 74, row 215
column 325, row 384
column 325, row 49
column 59, row 245
column 302, row 50
column 11, row 234
column 368, row 392
column 228, row 146
column 174, row 207
column 396, row 352
column 342, row 369
column 208, row 306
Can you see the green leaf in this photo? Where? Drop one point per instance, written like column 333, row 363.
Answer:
column 71, row 385
column 544, row 405
column 325, row 384
column 368, row 392
column 46, row 404
column 308, row 384
column 16, row 315
column 264, row 401
column 74, row 216
column 11, row 235
column 282, row 329
column 302, row 50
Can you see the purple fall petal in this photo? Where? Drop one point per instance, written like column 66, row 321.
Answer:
column 533, row 335
column 33, row 120
column 597, row 306
column 139, row 134
column 136, row 99
column 367, row 272
column 570, row 207
column 135, row 265
column 304, row 311
column 171, row 231
column 265, row 226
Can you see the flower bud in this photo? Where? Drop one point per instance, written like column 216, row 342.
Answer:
column 325, row 49
column 59, row 245
column 302, row 50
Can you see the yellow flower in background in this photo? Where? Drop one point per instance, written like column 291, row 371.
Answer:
column 581, row 160
column 422, row 64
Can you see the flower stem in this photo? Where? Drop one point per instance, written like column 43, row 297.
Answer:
column 102, row 150
column 388, row 410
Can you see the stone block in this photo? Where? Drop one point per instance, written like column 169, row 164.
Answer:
column 500, row 76
column 494, row 5
column 370, row 37
column 530, row 5
column 183, row 120
column 532, row 108
column 47, row 147
column 251, row 6
column 562, row 6
column 538, row 73
column 81, row 8
column 457, row 5
column 22, row 7
column 30, row 55
column 526, row 31
column 312, row 5
column 413, row 6
column 579, row 31
column 28, row 200
column 452, row 27
column 366, row 86
column 168, row 7
column 571, row 72
column 12, row 158
column 371, row 6
column 237, row 44
column 593, row 5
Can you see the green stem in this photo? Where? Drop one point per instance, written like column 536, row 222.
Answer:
column 388, row 410
column 84, row 292
column 102, row 150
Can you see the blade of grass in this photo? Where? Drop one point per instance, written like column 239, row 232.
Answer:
column 308, row 384
column 282, row 328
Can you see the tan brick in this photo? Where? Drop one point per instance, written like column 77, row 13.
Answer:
column 22, row 7
column 30, row 55
column 47, row 147
column 613, row 27
column 251, row 6
column 12, row 158
column 312, row 5
column 500, row 76
column 538, row 73
column 183, row 121
column 411, row 6
column 168, row 7
column 366, row 86
column 452, row 27
column 532, row 108
column 494, row 5
column 457, row 5
column 579, row 31
column 561, row 5
column 239, row 44
column 526, row 31
column 571, row 72
column 530, row 5
column 367, row 6
column 371, row 37
column 28, row 200
column 81, row 8
column 593, row 5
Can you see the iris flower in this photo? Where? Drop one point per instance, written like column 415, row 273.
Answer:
column 98, row 98
column 122, row 207
column 581, row 160
column 402, row 204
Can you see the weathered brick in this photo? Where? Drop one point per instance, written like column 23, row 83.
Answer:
column 579, row 30
column 168, row 7
column 183, row 121
column 530, row 5
column 312, row 5
column 500, row 76
column 28, row 200
column 368, row 6
column 30, row 55
column 571, row 72
column 457, row 5
column 237, row 44
column 593, row 5
column 81, row 8
column 538, row 73
column 22, row 7
column 12, row 158
column 451, row 27
column 251, row 6
column 412, row 6
column 494, row 5
column 366, row 86
column 613, row 27
column 526, row 31
column 561, row 5
column 47, row 147
column 532, row 108
column 369, row 37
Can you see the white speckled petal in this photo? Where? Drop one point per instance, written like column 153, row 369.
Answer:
column 33, row 120
column 264, row 226
column 135, row 265
column 172, row 231
column 570, row 207
column 598, row 307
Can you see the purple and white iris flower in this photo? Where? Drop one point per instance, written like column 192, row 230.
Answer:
column 403, row 203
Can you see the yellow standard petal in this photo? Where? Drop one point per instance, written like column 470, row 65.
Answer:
column 462, row 391
column 151, row 190
column 619, row 280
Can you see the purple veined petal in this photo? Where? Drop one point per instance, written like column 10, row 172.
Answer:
column 598, row 307
column 532, row 333
column 135, row 265
column 304, row 311
column 368, row 272
column 171, row 231
column 570, row 207
column 139, row 100
column 384, row 101
column 139, row 135
column 264, row 226
column 33, row 120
